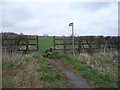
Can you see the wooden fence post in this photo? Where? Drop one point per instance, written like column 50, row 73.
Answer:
column 91, row 50
column 27, row 45
column 64, row 45
column 37, row 43
column 54, row 42
column 79, row 45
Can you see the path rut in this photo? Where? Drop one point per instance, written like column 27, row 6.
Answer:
column 73, row 79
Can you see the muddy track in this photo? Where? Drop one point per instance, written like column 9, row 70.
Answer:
column 74, row 80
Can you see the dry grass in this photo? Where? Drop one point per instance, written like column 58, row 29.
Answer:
column 104, row 63
column 100, row 69
column 28, row 71
column 18, row 71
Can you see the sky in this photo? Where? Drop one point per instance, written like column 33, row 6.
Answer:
column 53, row 18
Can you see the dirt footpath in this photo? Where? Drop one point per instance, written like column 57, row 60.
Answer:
column 72, row 78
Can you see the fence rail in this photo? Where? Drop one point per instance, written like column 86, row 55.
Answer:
column 88, row 44
column 24, row 43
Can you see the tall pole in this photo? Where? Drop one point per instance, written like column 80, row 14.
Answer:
column 73, row 49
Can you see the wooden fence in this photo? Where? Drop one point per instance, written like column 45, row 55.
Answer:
column 25, row 43
column 87, row 44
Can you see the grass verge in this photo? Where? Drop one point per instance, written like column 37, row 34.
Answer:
column 49, row 77
column 99, row 69
column 28, row 71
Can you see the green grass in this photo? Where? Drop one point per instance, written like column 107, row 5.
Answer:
column 45, row 42
column 86, row 67
column 98, row 69
column 45, row 76
column 49, row 77
column 29, row 71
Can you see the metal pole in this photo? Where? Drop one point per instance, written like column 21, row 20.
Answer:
column 73, row 40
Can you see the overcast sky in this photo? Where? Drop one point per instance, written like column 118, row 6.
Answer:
column 90, row 18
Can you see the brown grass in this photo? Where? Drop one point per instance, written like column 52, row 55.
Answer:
column 104, row 63
column 18, row 71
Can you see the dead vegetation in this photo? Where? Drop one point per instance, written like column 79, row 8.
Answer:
column 18, row 71
column 104, row 63
column 28, row 71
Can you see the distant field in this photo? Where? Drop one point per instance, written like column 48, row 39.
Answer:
column 45, row 42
